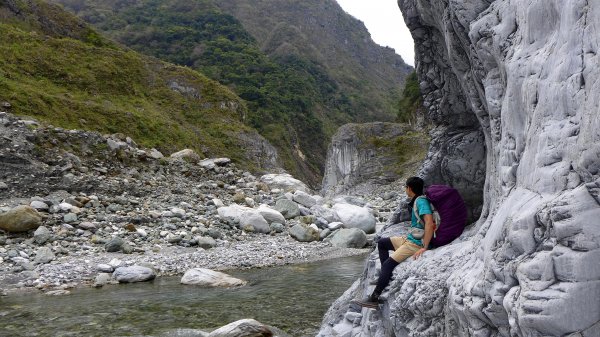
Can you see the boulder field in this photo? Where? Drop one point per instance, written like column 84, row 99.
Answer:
column 78, row 207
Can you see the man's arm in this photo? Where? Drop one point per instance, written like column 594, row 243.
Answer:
column 429, row 228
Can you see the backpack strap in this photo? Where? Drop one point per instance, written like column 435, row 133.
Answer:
column 416, row 210
column 434, row 212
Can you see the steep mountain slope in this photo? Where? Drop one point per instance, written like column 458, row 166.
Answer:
column 320, row 30
column 364, row 157
column 295, row 100
column 55, row 68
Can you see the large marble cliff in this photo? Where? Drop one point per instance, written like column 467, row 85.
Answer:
column 515, row 81
column 362, row 157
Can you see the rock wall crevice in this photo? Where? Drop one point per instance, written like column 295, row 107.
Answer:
column 458, row 150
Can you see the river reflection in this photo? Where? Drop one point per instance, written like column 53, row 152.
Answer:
column 293, row 298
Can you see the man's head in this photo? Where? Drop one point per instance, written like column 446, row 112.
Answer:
column 414, row 186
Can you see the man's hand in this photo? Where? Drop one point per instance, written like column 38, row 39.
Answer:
column 419, row 253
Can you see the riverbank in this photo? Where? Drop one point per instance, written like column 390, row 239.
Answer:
column 254, row 251
column 106, row 202
column 292, row 298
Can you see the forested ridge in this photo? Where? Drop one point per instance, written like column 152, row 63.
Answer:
column 295, row 99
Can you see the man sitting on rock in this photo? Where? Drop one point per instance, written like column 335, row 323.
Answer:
column 414, row 244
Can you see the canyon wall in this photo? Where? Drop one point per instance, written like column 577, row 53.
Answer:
column 363, row 157
column 521, row 75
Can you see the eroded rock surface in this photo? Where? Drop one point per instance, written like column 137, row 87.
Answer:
column 210, row 278
column 362, row 157
column 521, row 78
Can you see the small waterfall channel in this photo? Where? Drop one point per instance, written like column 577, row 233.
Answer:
column 293, row 298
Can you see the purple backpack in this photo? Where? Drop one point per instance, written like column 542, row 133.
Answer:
column 452, row 213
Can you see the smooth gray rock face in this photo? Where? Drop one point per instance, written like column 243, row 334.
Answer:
column 133, row 274
column 365, row 154
column 270, row 214
column 210, row 278
column 525, row 75
column 457, row 158
column 349, row 238
column 254, row 222
column 355, row 217
column 242, row 328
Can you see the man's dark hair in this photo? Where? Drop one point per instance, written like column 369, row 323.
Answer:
column 416, row 184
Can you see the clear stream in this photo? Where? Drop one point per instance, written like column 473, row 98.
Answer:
column 293, row 298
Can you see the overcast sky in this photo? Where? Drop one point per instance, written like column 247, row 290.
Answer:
column 384, row 21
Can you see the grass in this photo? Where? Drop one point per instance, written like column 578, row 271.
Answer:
column 72, row 84
column 405, row 151
column 267, row 54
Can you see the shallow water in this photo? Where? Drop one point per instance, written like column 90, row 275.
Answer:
column 293, row 298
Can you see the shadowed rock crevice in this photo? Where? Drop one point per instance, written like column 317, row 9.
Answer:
column 458, row 149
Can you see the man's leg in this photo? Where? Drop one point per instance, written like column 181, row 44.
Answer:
column 406, row 250
column 384, row 245
column 387, row 269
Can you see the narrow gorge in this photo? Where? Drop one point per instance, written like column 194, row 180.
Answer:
column 112, row 160
column 511, row 87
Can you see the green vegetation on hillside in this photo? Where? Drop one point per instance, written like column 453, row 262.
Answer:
column 370, row 76
column 94, row 85
column 40, row 16
column 411, row 101
column 292, row 100
column 407, row 150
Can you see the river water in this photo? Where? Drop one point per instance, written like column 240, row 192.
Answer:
column 293, row 298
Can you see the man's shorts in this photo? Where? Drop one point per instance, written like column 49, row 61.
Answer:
column 403, row 249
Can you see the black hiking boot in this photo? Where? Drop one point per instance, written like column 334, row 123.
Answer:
column 370, row 302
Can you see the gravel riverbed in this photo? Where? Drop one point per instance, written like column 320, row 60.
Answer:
column 105, row 202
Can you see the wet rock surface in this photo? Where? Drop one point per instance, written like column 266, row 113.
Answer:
column 210, row 278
